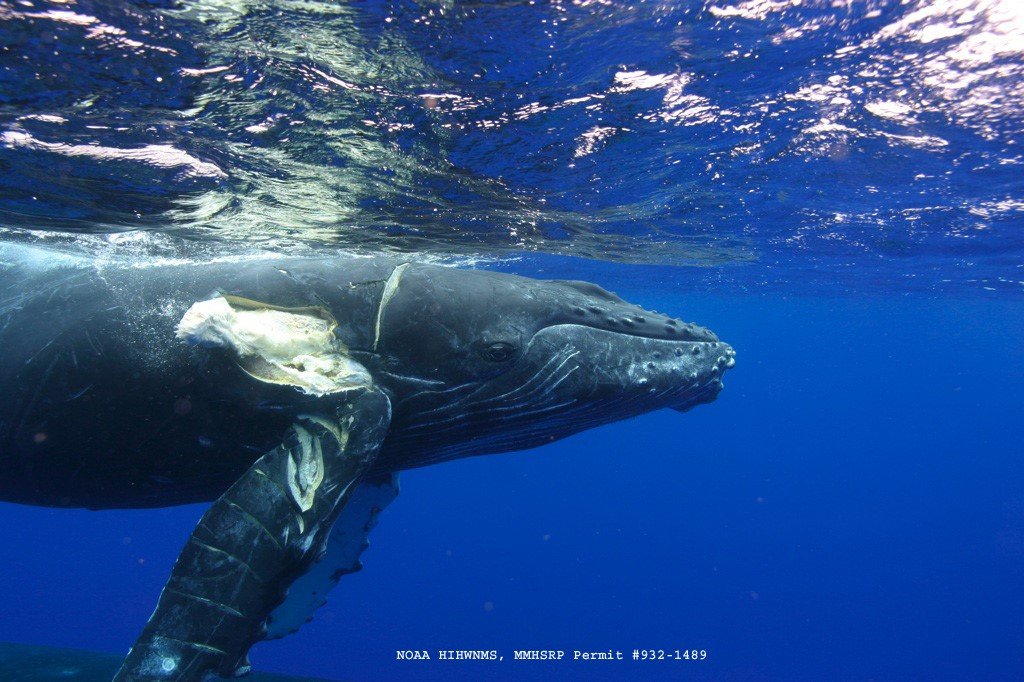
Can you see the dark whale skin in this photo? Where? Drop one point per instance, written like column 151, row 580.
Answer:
column 102, row 407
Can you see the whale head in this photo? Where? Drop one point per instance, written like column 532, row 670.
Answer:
column 480, row 362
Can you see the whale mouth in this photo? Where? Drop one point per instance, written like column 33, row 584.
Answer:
column 719, row 357
column 667, row 352
column 637, row 372
column 690, row 353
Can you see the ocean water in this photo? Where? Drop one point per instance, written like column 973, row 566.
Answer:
column 833, row 188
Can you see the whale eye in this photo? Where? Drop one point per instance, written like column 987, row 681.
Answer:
column 499, row 352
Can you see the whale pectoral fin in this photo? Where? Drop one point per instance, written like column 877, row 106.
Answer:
column 254, row 541
column 341, row 557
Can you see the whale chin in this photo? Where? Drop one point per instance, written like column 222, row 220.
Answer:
column 707, row 395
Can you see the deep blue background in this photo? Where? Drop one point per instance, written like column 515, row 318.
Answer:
column 838, row 188
column 850, row 508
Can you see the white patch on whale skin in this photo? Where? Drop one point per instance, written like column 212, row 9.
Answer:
column 304, row 475
column 275, row 345
column 390, row 287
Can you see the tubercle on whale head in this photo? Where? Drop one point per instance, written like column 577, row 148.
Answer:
column 478, row 361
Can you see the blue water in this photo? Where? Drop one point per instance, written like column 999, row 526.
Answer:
column 835, row 191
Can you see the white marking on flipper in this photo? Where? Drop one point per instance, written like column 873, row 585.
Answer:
column 304, row 474
column 347, row 541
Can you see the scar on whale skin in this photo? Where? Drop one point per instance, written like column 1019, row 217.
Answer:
column 390, row 287
column 291, row 346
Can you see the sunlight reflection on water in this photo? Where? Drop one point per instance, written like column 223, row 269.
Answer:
column 812, row 139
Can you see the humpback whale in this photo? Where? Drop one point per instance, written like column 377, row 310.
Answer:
column 288, row 392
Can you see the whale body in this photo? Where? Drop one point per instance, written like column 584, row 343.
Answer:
column 290, row 391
